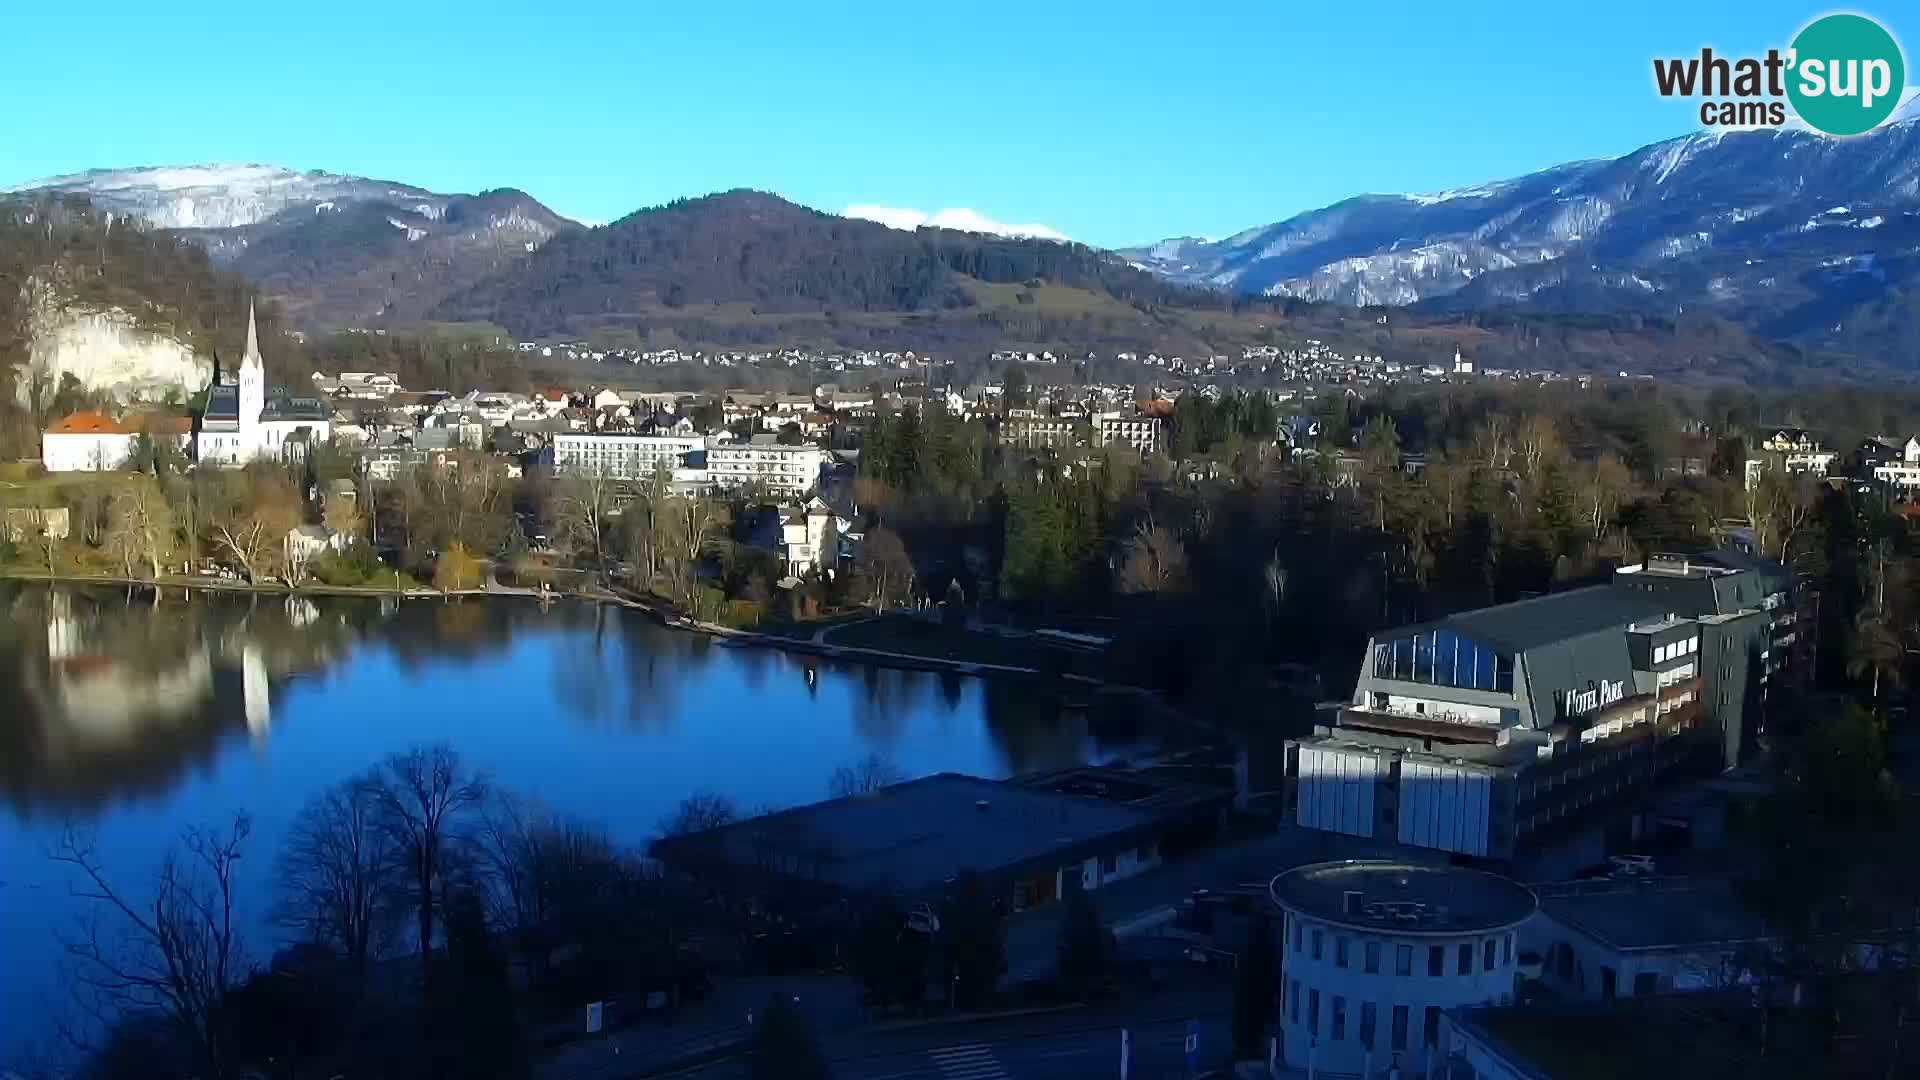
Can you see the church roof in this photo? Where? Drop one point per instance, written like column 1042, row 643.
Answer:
column 223, row 403
column 281, row 407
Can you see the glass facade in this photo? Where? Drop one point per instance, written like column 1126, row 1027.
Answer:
column 1443, row 658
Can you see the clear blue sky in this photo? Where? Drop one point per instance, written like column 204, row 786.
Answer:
column 1115, row 122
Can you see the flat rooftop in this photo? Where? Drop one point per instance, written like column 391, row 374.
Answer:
column 1543, row 620
column 1652, row 913
column 913, row 838
column 1455, row 899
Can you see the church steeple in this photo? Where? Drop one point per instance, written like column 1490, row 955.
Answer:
column 253, row 384
column 252, row 355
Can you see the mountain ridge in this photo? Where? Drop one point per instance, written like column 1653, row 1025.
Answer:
column 1747, row 223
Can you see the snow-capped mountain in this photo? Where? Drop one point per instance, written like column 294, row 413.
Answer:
column 336, row 249
column 1740, row 220
column 225, row 196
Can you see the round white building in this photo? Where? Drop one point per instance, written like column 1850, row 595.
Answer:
column 1373, row 953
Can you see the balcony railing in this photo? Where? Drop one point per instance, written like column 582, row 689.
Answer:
column 1423, row 725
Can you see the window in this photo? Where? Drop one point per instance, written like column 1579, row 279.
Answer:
column 1403, row 960
column 1430, row 1030
column 1436, row 959
column 1506, row 951
column 1486, row 954
column 1466, row 958
column 1366, row 1024
column 1313, row 1012
column 1293, row 999
column 1399, row 1027
column 1317, row 935
column 1340, row 950
column 1372, row 949
column 1296, row 934
column 1339, row 1031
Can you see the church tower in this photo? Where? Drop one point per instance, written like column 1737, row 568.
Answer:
column 253, row 389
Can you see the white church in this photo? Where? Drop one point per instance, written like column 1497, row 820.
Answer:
column 244, row 421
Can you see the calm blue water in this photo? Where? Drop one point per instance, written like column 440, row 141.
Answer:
column 134, row 717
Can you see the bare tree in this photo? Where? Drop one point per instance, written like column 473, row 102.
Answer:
column 337, row 879
column 175, row 951
column 865, row 776
column 699, row 812
column 253, row 510
column 582, row 506
column 1156, row 561
column 883, row 565
column 542, row 868
column 1602, row 487
column 692, row 521
column 424, row 798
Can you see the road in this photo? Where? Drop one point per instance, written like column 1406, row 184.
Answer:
column 1046, row 1046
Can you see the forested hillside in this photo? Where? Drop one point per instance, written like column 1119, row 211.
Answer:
column 765, row 256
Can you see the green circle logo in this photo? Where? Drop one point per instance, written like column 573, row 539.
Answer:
column 1847, row 74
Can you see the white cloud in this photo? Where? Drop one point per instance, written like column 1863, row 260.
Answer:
column 898, row 217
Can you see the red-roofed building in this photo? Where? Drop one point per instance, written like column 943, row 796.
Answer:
column 95, row 442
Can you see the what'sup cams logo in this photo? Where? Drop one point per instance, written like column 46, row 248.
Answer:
column 1843, row 75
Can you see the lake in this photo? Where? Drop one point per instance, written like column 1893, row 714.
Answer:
column 136, row 714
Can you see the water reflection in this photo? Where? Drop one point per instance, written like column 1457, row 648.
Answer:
column 114, row 693
column 120, row 693
column 142, row 711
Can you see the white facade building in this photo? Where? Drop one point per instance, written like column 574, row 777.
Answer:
column 778, row 469
column 1143, row 433
column 93, row 442
column 1374, row 953
column 623, row 457
column 804, row 537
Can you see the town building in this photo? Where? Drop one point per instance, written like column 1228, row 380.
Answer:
column 623, row 457
column 245, row 421
column 1143, row 433
column 911, row 840
column 1891, row 462
column 1507, row 731
column 1633, row 936
column 95, row 442
column 810, row 537
column 1040, row 433
column 778, row 469
column 1374, row 953
column 1791, row 450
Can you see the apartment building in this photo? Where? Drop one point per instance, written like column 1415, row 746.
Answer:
column 623, row 457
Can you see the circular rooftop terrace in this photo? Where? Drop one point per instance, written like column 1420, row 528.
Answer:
column 1403, row 898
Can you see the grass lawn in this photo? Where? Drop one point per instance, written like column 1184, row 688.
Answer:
column 806, row 628
column 21, row 487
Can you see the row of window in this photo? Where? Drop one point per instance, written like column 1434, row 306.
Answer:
column 1492, row 950
column 1675, row 650
column 1367, row 1028
column 1443, row 658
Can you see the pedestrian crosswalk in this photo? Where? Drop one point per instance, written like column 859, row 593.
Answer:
column 973, row 1061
